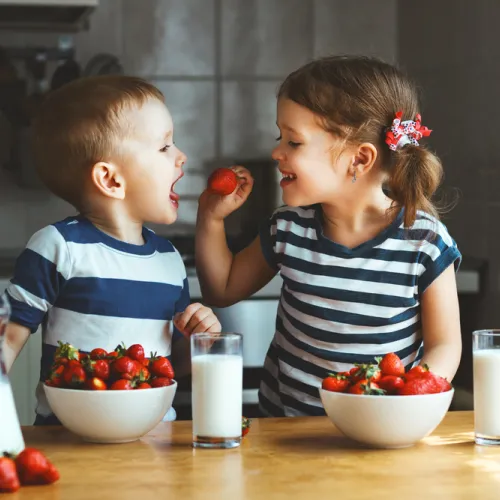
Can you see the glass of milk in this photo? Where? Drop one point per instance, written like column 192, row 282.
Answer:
column 486, row 362
column 11, row 437
column 217, row 389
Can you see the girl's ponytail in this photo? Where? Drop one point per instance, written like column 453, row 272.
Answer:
column 414, row 177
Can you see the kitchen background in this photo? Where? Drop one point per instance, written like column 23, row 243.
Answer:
column 219, row 63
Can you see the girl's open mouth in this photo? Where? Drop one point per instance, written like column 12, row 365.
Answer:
column 287, row 179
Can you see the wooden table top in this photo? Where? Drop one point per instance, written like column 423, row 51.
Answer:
column 288, row 458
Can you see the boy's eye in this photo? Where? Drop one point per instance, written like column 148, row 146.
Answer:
column 278, row 138
column 165, row 148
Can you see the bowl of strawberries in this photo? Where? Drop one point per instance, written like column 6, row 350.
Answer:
column 381, row 405
column 110, row 397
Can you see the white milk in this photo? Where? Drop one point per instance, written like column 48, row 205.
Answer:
column 11, row 438
column 487, row 392
column 217, row 395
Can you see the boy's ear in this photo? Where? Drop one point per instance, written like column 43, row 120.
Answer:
column 108, row 180
column 364, row 158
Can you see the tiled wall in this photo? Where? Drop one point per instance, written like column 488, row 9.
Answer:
column 453, row 54
column 219, row 63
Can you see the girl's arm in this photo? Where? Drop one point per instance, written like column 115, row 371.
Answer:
column 440, row 318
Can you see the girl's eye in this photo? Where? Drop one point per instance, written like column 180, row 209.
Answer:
column 278, row 138
column 293, row 144
column 165, row 148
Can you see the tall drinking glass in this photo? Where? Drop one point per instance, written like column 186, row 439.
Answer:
column 217, row 389
column 486, row 362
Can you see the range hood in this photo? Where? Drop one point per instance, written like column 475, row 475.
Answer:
column 45, row 15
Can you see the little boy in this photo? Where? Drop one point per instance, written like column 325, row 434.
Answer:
column 100, row 278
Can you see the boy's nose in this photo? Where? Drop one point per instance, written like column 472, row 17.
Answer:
column 181, row 159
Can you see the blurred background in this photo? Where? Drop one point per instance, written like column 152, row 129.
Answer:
column 219, row 63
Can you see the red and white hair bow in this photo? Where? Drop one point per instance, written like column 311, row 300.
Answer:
column 405, row 132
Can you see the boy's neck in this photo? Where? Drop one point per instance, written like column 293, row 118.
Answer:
column 122, row 228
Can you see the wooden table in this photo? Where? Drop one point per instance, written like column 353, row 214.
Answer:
column 290, row 458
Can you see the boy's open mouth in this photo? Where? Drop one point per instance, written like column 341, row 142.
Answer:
column 288, row 178
column 174, row 197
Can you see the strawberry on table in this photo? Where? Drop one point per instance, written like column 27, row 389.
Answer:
column 245, row 426
column 9, row 480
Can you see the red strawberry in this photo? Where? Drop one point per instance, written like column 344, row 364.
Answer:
column 245, row 426
column 416, row 371
column 161, row 367
column 96, row 384
column 51, row 475
column 66, row 351
column 222, row 181
column 136, row 352
column 101, row 369
column 125, row 367
column 9, row 481
column 391, row 364
column 98, row 353
column 365, row 386
column 391, row 384
column 98, row 368
column 56, row 376
column 31, row 464
column 335, row 383
column 74, row 375
column 420, row 385
column 144, row 385
column 161, row 382
column 369, row 371
column 122, row 385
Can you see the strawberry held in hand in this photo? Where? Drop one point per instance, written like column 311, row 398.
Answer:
column 222, row 181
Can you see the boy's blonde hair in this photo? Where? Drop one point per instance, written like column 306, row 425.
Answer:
column 81, row 124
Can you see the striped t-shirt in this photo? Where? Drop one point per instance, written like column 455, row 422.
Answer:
column 341, row 306
column 91, row 290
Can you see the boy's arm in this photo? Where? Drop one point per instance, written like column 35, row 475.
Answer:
column 16, row 337
column 40, row 273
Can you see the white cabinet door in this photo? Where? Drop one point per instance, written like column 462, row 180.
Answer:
column 25, row 374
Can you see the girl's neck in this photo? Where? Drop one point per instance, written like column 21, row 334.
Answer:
column 359, row 219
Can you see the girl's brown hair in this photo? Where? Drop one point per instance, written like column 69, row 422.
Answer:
column 357, row 99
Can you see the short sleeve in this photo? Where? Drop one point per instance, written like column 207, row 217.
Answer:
column 267, row 234
column 40, row 274
column 438, row 253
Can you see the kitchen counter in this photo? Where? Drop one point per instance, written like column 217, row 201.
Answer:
column 291, row 458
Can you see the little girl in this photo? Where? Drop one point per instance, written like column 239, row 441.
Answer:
column 367, row 267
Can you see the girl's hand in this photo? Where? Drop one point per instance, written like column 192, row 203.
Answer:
column 197, row 318
column 216, row 207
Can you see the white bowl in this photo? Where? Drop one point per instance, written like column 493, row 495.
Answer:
column 386, row 421
column 110, row 416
